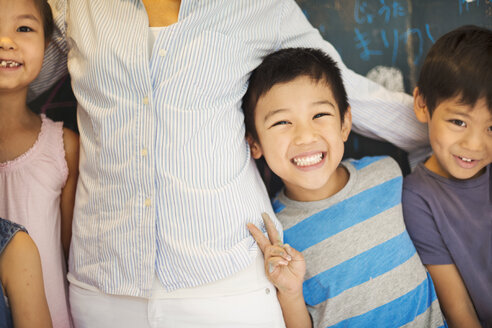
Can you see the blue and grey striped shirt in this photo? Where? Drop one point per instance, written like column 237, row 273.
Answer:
column 166, row 181
column 362, row 268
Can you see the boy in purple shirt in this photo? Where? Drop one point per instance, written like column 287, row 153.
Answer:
column 447, row 201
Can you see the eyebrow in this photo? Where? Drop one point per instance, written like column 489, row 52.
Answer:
column 464, row 113
column 28, row 16
column 273, row 112
column 324, row 102
column 453, row 111
column 316, row 103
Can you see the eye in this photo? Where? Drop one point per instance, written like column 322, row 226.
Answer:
column 458, row 123
column 279, row 123
column 321, row 115
column 24, row 29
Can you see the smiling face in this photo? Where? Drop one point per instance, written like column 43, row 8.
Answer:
column 22, row 44
column 460, row 136
column 301, row 136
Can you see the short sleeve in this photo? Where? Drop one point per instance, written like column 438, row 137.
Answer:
column 423, row 230
column 7, row 231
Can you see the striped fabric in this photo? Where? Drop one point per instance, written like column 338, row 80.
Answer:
column 166, row 181
column 362, row 268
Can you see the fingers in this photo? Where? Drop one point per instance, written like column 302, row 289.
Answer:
column 277, row 251
column 259, row 237
column 271, row 230
column 269, row 251
column 293, row 253
column 275, row 263
column 271, row 246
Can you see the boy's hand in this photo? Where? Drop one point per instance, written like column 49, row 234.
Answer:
column 284, row 266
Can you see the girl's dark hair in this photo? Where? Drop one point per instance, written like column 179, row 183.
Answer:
column 458, row 64
column 47, row 17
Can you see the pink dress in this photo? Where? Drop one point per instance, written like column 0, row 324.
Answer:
column 30, row 189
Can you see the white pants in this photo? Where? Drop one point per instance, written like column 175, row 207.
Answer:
column 194, row 307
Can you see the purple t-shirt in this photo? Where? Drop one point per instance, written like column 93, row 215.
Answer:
column 450, row 222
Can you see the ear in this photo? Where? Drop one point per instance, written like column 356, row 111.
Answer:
column 254, row 147
column 347, row 124
column 419, row 107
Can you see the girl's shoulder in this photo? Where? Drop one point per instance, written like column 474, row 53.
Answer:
column 45, row 159
column 70, row 143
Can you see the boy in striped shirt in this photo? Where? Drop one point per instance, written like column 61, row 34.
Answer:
column 348, row 260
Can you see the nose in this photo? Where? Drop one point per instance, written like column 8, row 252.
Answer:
column 6, row 43
column 473, row 140
column 305, row 134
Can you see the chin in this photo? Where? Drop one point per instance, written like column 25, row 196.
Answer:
column 465, row 175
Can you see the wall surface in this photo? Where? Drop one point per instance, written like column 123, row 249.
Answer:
column 387, row 40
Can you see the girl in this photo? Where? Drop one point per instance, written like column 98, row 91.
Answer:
column 38, row 158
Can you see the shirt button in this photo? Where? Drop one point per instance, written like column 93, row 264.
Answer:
column 162, row 52
column 146, row 100
column 148, row 202
column 144, row 152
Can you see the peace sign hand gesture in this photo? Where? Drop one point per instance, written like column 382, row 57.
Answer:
column 284, row 266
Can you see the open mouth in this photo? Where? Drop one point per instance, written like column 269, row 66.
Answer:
column 8, row 63
column 464, row 159
column 465, row 162
column 308, row 160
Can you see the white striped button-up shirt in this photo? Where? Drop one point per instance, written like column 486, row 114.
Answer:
column 166, row 181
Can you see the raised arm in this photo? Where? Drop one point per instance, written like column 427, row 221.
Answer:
column 285, row 268
column 377, row 112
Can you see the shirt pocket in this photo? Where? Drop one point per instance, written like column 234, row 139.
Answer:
column 212, row 71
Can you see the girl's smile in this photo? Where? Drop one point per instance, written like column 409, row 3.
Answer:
column 22, row 44
column 6, row 63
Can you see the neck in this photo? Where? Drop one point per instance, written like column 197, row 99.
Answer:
column 337, row 181
column 162, row 12
column 13, row 110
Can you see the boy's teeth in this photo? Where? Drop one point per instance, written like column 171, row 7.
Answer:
column 309, row 160
column 8, row 63
column 466, row 159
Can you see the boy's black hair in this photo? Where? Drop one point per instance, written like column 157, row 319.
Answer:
column 458, row 64
column 47, row 17
column 286, row 65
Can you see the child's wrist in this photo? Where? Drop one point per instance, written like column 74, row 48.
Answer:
column 290, row 295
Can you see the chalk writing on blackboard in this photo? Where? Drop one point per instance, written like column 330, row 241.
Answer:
column 391, row 33
column 391, row 38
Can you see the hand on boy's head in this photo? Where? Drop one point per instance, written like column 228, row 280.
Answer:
column 284, row 266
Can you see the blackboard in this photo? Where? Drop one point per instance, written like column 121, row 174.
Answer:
column 389, row 39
